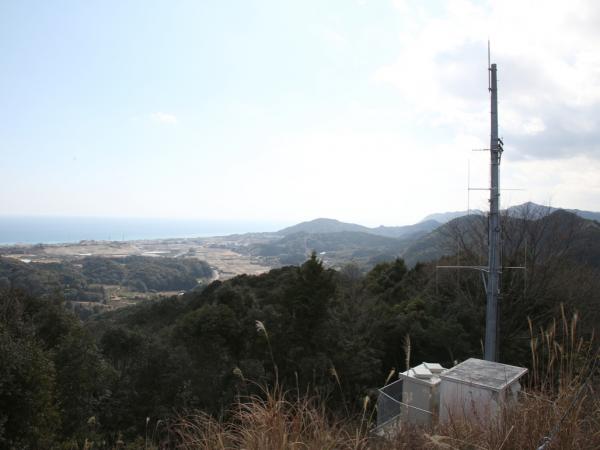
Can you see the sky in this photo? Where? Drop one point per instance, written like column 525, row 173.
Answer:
column 361, row 110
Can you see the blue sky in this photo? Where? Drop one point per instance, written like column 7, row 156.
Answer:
column 364, row 111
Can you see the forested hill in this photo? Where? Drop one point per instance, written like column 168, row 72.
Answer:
column 537, row 231
column 336, row 249
column 427, row 241
column 322, row 226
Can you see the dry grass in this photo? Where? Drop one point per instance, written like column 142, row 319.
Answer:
column 560, row 402
column 525, row 425
column 268, row 422
column 560, row 358
column 273, row 423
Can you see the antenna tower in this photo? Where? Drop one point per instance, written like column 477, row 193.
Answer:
column 491, row 273
column 494, row 230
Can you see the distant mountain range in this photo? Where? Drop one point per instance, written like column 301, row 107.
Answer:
column 528, row 209
column 448, row 216
column 531, row 209
column 334, row 226
column 428, row 224
column 338, row 243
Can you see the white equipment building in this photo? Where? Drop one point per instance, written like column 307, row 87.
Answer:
column 478, row 389
column 423, row 395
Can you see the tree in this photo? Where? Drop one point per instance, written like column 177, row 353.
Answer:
column 52, row 376
column 29, row 416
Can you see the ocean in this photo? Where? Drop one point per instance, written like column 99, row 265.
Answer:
column 53, row 230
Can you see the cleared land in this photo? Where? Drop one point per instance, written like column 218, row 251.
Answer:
column 219, row 252
column 225, row 256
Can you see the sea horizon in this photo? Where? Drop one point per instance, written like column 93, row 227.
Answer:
column 31, row 230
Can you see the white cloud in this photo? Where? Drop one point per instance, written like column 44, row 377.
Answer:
column 568, row 182
column 534, row 126
column 548, row 71
column 162, row 117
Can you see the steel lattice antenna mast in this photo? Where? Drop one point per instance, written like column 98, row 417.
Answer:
column 494, row 230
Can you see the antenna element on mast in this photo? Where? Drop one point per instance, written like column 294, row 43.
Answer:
column 489, row 69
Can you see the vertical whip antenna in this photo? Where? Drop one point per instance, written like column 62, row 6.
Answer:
column 489, row 69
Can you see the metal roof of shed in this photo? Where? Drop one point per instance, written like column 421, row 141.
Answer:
column 486, row 374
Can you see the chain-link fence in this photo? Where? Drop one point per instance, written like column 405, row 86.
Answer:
column 391, row 410
column 389, row 402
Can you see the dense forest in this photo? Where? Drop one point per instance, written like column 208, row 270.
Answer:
column 334, row 334
column 82, row 279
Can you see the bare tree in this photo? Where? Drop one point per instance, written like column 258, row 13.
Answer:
column 558, row 251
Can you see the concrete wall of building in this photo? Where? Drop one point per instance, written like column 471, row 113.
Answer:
column 421, row 400
column 461, row 401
